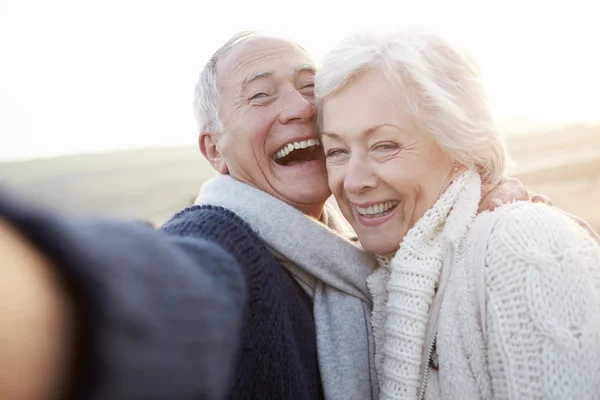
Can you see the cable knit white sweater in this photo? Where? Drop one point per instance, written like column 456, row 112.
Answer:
column 541, row 335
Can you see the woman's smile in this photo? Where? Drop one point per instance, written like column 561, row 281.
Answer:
column 375, row 214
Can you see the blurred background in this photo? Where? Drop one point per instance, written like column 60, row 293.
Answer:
column 96, row 97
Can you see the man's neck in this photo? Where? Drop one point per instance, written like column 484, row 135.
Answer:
column 314, row 211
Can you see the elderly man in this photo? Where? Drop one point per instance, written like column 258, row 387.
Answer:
column 246, row 295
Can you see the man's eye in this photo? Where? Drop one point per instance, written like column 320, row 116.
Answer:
column 258, row 95
column 308, row 90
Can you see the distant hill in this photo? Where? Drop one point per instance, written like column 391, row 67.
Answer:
column 565, row 164
column 152, row 184
column 149, row 184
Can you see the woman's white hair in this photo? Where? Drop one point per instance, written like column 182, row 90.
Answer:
column 206, row 93
column 440, row 85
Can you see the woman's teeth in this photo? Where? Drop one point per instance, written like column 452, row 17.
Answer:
column 376, row 209
column 288, row 148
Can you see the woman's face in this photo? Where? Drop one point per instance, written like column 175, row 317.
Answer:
column 383, row 171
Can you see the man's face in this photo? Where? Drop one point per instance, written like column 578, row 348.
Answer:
column 267, row 108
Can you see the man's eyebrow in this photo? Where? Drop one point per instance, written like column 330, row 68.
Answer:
column 257, row 75
column 305, row 68
column 268, row 74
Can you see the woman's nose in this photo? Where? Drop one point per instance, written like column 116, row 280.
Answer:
column 359, row 176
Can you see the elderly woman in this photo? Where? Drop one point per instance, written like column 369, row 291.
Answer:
column 501, row 305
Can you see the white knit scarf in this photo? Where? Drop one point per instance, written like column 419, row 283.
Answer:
column 329, row 267
column 425, row 255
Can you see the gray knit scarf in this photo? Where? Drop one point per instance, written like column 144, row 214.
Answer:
column 331, row 269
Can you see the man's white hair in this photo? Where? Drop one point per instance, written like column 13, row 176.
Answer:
column 206, row 94
column 440, row 86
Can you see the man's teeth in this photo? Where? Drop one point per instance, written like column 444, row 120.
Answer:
column 377, row 208
column 288, row 148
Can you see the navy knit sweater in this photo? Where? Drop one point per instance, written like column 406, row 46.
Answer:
column 278, row 357
column 199, row 310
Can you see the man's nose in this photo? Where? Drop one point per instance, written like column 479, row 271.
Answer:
column 359, row 176
column 296, row 106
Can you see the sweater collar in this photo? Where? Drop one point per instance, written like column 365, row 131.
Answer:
column 414, row 273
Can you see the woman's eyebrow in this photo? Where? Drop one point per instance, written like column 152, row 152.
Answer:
column 367, row 132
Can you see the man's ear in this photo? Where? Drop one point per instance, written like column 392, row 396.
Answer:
column 209, row 147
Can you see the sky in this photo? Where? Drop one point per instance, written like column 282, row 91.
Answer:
column 90, row 76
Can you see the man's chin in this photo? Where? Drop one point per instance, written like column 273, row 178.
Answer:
column 304, row 177
column 308, row 197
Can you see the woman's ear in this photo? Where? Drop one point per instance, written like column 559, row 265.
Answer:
column 209, row 147
column 457, row 169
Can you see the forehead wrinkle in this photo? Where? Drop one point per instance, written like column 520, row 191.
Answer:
column 236, row 61
column 244, row 55
column 367, row 132
column 375, row 128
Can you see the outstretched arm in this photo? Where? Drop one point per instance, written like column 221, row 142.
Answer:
column 543, row 313
column 112, row 310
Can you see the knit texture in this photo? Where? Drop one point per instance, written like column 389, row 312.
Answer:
column 331, row 269
column 278, row 358
column 542, row 290
column 415, row 270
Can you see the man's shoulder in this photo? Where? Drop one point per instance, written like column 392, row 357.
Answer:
column 204, row 219
column 221, row 226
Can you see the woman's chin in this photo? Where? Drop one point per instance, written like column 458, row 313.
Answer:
column 382, row 249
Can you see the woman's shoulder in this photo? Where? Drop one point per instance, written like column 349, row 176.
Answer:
column 542, row 285
column 524, row 226
column 541, row 257
column 533, row 250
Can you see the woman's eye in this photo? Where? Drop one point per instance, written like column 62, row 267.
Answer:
column 333, row 152
column 386, row 146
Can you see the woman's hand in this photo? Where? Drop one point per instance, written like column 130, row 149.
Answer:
column 36, row 323
column 508, row 190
